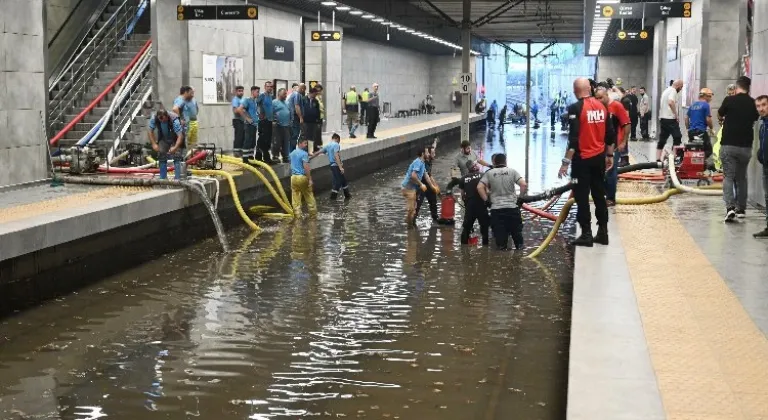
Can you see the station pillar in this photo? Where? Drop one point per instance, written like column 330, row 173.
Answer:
column 322, row 64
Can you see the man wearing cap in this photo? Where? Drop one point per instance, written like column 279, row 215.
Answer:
column 698, row 121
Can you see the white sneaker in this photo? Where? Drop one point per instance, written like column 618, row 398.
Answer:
column 730, row 215
column 741, row 214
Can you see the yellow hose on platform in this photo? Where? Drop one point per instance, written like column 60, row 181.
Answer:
column 233, row 190
column 280, row 201
column 271, row 173
column 622, row 201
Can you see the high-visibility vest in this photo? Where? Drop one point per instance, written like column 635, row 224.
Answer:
column 364, row 95
column 351, row 98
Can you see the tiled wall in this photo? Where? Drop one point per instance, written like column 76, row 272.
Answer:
column 22, row 91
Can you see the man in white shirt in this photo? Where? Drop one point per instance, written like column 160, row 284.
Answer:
column 645, row 113
column 669, row 122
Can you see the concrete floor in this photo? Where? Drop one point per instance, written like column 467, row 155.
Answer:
column 670, row 320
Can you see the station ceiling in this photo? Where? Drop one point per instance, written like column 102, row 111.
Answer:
column 501, row 21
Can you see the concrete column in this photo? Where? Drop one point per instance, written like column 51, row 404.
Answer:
column 23, row 91
column 466, row 45
column 723, row 34
column 168, row 69
column 659, row 72
column 322, row 62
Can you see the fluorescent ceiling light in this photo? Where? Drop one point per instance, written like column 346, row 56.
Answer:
column 368, row 16
column 356, row 12
column 386, row 23
column 410, row 31
column 343, row 8
column 328, row 3
column 378, row 20
column 401, row 28
column 396, row 26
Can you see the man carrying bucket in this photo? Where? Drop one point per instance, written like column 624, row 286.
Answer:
column 475, row 208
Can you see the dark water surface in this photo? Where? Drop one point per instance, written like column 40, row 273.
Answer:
column 348, row 316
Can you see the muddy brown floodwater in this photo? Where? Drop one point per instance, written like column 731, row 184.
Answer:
column 348, row 316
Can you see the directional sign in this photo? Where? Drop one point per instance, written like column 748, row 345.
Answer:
column 326, row 35
column 466, row 83
column 634, row 35
column 205, row 12
column 668, row 10
column 622, row 11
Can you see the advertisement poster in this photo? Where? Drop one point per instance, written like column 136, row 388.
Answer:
column 220, row 76
column 690, row 88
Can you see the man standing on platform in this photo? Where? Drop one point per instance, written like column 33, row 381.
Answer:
column 620, row 121
column 185, row 106
column 296, row 102
column 283, row 142
column 591, row 138
column 633, row 112
column 372, row 111
column 762, row 154
column 364, row 105
column 353, row 114
column 238, row 121
column 669, row 121
column 698, row 120
column 644, row 109
column 313, row 123
column 251, row 127
column 266, row 119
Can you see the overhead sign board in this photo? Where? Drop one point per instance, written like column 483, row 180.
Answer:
column 326, row 35
column 668, row 10
column 206, row 12
column 633, row 35
column 646, row 10
column 622, row 11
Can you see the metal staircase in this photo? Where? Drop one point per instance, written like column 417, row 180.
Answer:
column 106, row 53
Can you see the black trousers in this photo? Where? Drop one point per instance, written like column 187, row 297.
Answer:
column 644, row 120
column 373, row 120
column 265, row 140
column 634, row 119
column 553, row 117
column 250, row 140
column 239, row 126
column 591, row 176
column 431, row 197
column 705, row 137
column 313, row 131
column 506, row 222
column 475, row 211
column 363, row 107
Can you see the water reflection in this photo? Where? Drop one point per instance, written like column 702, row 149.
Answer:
column 348, row 315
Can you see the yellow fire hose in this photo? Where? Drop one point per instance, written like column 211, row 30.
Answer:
column 273, row 174
column 233, row 190
column 280, row 201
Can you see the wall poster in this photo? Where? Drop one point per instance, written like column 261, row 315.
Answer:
column 690, row 88
column 220, row 76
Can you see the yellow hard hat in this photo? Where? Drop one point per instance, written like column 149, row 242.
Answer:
column 706, row 91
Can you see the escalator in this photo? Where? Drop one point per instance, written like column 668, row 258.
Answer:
column 102, row 63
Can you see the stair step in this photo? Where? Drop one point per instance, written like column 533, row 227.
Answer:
column 141, row 37
column 88, row 118
column 76, row 135
column 84, row 126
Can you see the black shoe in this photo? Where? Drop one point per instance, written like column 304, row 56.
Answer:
column 502, row 248
column 370, row 137
column 763, row 234
column 352, row 136
column 741, row 214
column 334, row 195
column 602, row 236
column 519, row 247
column 585, row 239
column 730, row 215
column 347, row 195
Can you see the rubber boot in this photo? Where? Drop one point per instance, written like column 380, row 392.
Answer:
column 177, row 170
column 163, row 164
column 334, row 195
column 602, row 235
column 585, row 239
column 347, row 194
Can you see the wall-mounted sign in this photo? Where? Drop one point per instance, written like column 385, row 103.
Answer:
column 634, row 35
column 326, row 35
column 647, row 10
column 622, row 11
column 466, row 83
column 188, row 12
column 278, row 49
column 221, row 75
column 668, row 10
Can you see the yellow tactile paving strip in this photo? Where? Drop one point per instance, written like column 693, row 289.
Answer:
column 710, row 359
column 402, row 131
column 66, row 202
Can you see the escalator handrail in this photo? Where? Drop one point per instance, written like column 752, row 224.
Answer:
column 101, row 96
column 72, row 62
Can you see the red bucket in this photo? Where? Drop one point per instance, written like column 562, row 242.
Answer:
column 472, row 240
column 447, row 207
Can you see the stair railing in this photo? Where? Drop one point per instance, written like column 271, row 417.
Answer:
column 75, row 79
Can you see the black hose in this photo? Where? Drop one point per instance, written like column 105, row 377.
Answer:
column 546, row 195
column 640, row 167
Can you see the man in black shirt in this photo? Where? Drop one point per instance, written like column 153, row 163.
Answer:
column 738, row 114
column 475, row 208
column 634, row 115
column 313, row 122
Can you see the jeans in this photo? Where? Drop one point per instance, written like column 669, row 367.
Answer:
column 338, row 180
column 296, row 130
column 506, row 222
column 735, row 162
column 353, row 120
column 363, row 108
column 591, row 175
column 669, row 127
column 475, row 210
column 239, row 128
column 283, row 142
column 162, row 160
column 612, row 178
column 302, row 191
